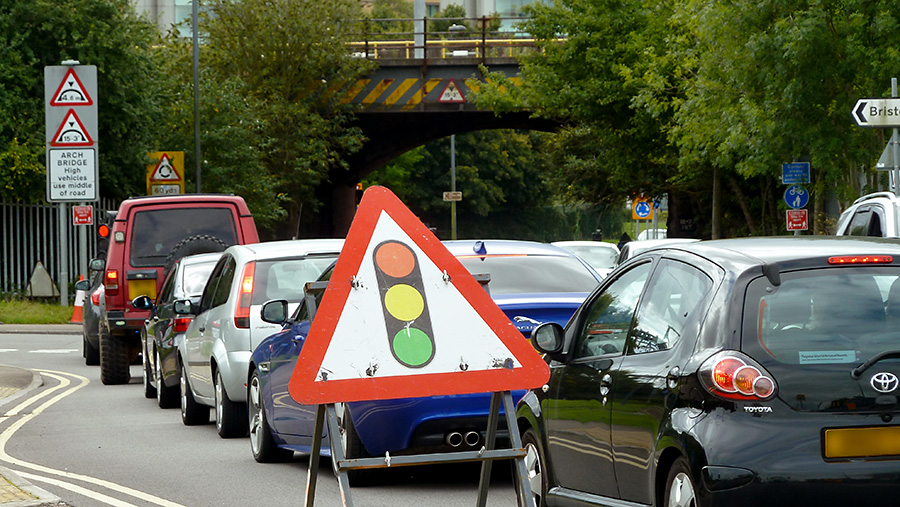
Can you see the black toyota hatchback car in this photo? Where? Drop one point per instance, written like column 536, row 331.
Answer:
column 759, row 371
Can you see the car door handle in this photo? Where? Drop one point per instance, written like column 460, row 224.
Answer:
column 672, row 377
column 605, row 384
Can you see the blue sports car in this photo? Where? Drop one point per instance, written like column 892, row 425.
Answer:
column 531, row 282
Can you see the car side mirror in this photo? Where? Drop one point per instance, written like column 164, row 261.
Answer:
column 548, row 338
column 97, row 264
column 274, row 312
column 84, row 285
column 142, row 302
column 184, row 307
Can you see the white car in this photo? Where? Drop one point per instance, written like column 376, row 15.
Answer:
column 601, row 256
column 875, row 214
column 653, row 234
column 214, row 356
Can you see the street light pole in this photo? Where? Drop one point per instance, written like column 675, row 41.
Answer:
column 196, row 43
column 453, row 185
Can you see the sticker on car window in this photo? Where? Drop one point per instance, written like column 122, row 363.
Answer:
column 827, row 356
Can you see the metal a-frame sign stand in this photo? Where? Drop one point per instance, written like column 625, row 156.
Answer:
column 326, row 414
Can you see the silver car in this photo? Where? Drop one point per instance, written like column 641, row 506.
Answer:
column 214, row 356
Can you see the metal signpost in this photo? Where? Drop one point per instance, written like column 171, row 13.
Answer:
column 883, row 113
column 443, row 335
column 70, row 112
column 796, row 174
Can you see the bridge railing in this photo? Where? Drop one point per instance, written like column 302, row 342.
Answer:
column 441, row 39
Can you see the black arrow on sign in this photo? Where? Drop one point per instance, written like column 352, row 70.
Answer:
column 859, row 113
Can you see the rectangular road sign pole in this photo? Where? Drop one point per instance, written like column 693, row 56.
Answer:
column 896, row 169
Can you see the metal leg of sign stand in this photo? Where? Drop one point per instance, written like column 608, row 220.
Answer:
column 487, row 454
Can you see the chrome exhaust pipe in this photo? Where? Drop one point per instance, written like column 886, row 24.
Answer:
column 472, row 438
column 454, row 439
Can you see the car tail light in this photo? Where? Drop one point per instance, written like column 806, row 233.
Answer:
column 861, row 259
column 734, row 376
column 95, row 297
column 181, row 324
column 245, row 297
column 112, row 282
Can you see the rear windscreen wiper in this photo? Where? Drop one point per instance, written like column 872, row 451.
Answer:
column 877, row 357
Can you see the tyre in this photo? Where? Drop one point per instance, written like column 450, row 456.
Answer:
column 262, row 444
column 534, row 465
column 166, row 397
column 91, row 353
column 231, row 417
column 201, row 243
column 192, row 413
column 114, row 359
column 680, row 490
column 352, row 446
column 147, row 377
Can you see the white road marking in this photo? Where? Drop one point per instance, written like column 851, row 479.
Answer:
column 9, row 350
column 15, row 426
column 53, row 351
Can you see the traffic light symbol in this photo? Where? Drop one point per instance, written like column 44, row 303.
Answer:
column 403, row 303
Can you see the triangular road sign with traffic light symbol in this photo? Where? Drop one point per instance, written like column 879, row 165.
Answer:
column 402, row 318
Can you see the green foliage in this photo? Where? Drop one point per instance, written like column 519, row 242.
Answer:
column 26, row 311
column 21, row 173
column 105, row 33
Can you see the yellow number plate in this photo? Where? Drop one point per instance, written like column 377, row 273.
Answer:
column 145, row 287
column 862, row 442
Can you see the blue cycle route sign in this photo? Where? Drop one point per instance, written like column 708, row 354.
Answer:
column 796, row 197
column 795, row 173
column 642, row 209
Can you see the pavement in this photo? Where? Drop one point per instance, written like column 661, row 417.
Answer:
column 15, row 384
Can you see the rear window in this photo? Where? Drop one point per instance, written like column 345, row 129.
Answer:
column 818, row 325
column 285, row 278
column 598, row 257
column 524, row 274
column 195, row 276
column 155, row 232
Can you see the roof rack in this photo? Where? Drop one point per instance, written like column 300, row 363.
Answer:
column 888, row 195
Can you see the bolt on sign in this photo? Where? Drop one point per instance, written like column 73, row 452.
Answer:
column 165, row 174
column 70, row 110
column 402, row 317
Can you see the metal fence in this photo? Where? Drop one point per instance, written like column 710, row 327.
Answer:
column 30, row 233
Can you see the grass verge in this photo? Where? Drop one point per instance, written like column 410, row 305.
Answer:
column 24, row 311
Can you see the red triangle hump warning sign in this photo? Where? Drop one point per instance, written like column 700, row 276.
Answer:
column 71, row 92
column 71, row 132
column 402, row 318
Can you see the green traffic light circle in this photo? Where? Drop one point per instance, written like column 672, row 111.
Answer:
column 412, row 347
column 404, row 302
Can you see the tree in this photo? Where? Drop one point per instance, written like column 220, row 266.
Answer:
column 289, row 57
column 105, row 33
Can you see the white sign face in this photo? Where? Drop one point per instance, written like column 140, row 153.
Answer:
column 72, row 174
column 877, row 112
column 361, row 342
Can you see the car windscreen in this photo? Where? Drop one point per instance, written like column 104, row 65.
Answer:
column 531, row 274
column 285, row 278
column 811, row 330
column 194, row 278
column 598, row 257
column 156, row 232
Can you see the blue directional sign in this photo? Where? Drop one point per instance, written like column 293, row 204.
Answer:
column 793, row 173
column 643, row 209
column 796, row 197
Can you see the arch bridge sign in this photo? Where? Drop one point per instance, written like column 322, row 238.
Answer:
column 70, row 112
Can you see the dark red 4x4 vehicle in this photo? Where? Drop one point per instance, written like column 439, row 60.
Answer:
column 149, row 234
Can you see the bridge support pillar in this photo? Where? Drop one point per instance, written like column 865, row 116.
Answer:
column 343, row 205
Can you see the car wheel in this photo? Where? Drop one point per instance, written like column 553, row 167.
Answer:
column 113, row 359
column 192, row 413
column 91, row 353
column 231, row 417
column 680, row 490
column 352, row 446
column 262, row 444
column 149, row 386
column 166, row 397
column 534, row 465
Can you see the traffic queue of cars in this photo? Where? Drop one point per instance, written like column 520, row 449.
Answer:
column 730, row 372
